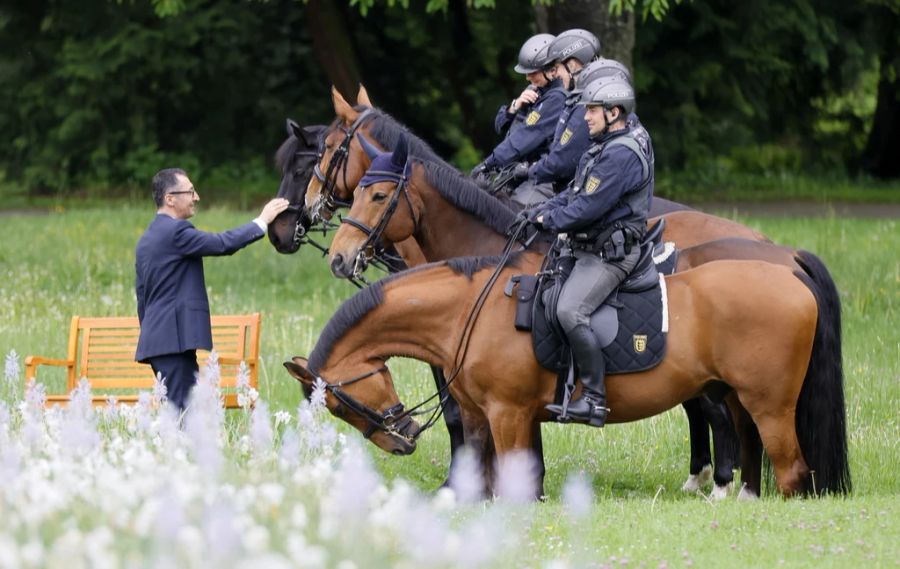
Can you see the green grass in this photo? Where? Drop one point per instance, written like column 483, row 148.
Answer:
column 81, row 262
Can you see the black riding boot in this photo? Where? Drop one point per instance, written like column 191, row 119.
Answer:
column 591, row 407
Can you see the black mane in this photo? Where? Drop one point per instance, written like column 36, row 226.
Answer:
column 369, row 298
column 386, row 130
column 466, row 195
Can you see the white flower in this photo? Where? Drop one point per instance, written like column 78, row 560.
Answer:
column 11, row 370
column 578, row 496
column 282, row 418
column 317, row 398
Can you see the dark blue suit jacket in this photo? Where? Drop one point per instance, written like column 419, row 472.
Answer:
column 173, row 308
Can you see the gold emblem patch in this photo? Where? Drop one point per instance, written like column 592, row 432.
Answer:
column 592, row 184
column 640, row 343
column 532, row 118
column 566, row 135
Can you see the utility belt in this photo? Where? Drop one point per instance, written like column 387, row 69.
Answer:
column 613, row 243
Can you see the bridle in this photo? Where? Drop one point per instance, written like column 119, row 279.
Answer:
column 392, row 421
column 372, row 245
column 338, row 162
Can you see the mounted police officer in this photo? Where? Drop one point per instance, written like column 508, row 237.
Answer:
column 569, row 52
column 530, row 119
column 604, row 216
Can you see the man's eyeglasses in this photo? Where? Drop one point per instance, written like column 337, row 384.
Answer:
column 182, row 192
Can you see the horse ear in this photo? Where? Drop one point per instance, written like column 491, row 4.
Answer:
column 371, row 151
column 297, row 368
column 293, row 128
column 400, row 152
column 362, row 98
column 341, row 107
column 310, row 134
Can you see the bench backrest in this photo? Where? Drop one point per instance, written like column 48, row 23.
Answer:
column 103, row 349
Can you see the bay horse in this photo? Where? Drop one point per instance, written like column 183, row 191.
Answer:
column 345, row 155
column 756, row 326
column 343, row 159
column 449, row 216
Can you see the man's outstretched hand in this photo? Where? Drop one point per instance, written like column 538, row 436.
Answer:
column 272, row 209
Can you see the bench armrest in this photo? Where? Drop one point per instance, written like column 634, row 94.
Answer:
column 32, row 362
column 236, row 361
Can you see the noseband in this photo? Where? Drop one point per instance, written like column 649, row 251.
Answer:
column 337, row 162
column 393, row 421
column 371, row 245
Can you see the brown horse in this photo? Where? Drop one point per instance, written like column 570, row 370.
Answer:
column 755, row 326
column 344, row 159
column 449, row 216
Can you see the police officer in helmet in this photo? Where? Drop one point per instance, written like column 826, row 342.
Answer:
column 570, row 52
column 530, row 119
column 604, row 215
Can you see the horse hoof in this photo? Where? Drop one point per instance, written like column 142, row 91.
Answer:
column 696, row 481
column 721, row 492
column 747, row 494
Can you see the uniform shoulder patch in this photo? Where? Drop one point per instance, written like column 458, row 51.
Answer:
column 532, row 118
column 592, row 184
column 566, row 135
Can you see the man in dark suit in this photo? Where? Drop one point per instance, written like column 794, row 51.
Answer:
column 173, row 308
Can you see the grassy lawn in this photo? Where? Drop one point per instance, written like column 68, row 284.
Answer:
column 81, row 262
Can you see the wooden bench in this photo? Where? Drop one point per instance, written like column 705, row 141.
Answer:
column 102, row 350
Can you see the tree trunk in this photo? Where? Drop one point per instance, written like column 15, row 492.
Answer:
column 333, row 46
column 883, row 147
column 616, row 33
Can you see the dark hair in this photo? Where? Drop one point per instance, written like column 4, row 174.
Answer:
column 163, row 182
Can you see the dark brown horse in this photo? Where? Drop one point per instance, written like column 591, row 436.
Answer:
column 344, row 160
column 756, row 326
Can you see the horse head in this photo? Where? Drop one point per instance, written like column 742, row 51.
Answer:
column 342, row 159
column 296, row 159
column 377, row 217
column 366, row 400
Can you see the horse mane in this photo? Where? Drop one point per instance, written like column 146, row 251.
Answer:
column 466, row 195
column 387, row 130
column 286, row 151
column 369, row 298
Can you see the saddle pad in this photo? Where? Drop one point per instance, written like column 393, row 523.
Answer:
column 639, row 331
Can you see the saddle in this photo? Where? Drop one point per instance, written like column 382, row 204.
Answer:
column 631, row 324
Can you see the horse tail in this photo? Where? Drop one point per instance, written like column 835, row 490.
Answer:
column 821, row 415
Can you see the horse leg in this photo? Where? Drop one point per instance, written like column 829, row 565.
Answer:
column 481, row 444
column 452, row 417
column 751, row 455
column 537, row 447
column 512, row 428
column 725, row 444
column 700, row 468
column 779, row 437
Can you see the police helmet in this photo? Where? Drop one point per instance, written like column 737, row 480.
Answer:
column 609, row 92
column 574, row 44
column 599, row 69
column 533, row 55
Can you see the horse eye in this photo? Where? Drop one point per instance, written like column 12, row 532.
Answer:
column 379, row 197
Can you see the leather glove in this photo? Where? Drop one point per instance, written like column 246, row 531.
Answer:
column 478, row 170
column 520, row 171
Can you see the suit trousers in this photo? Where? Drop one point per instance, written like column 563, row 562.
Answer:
column 180, row 374
column 592, row 280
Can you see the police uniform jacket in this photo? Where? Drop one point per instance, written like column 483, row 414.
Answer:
column 570, row 141
column 173, row 308
column 530, row 130
column 598, row 196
